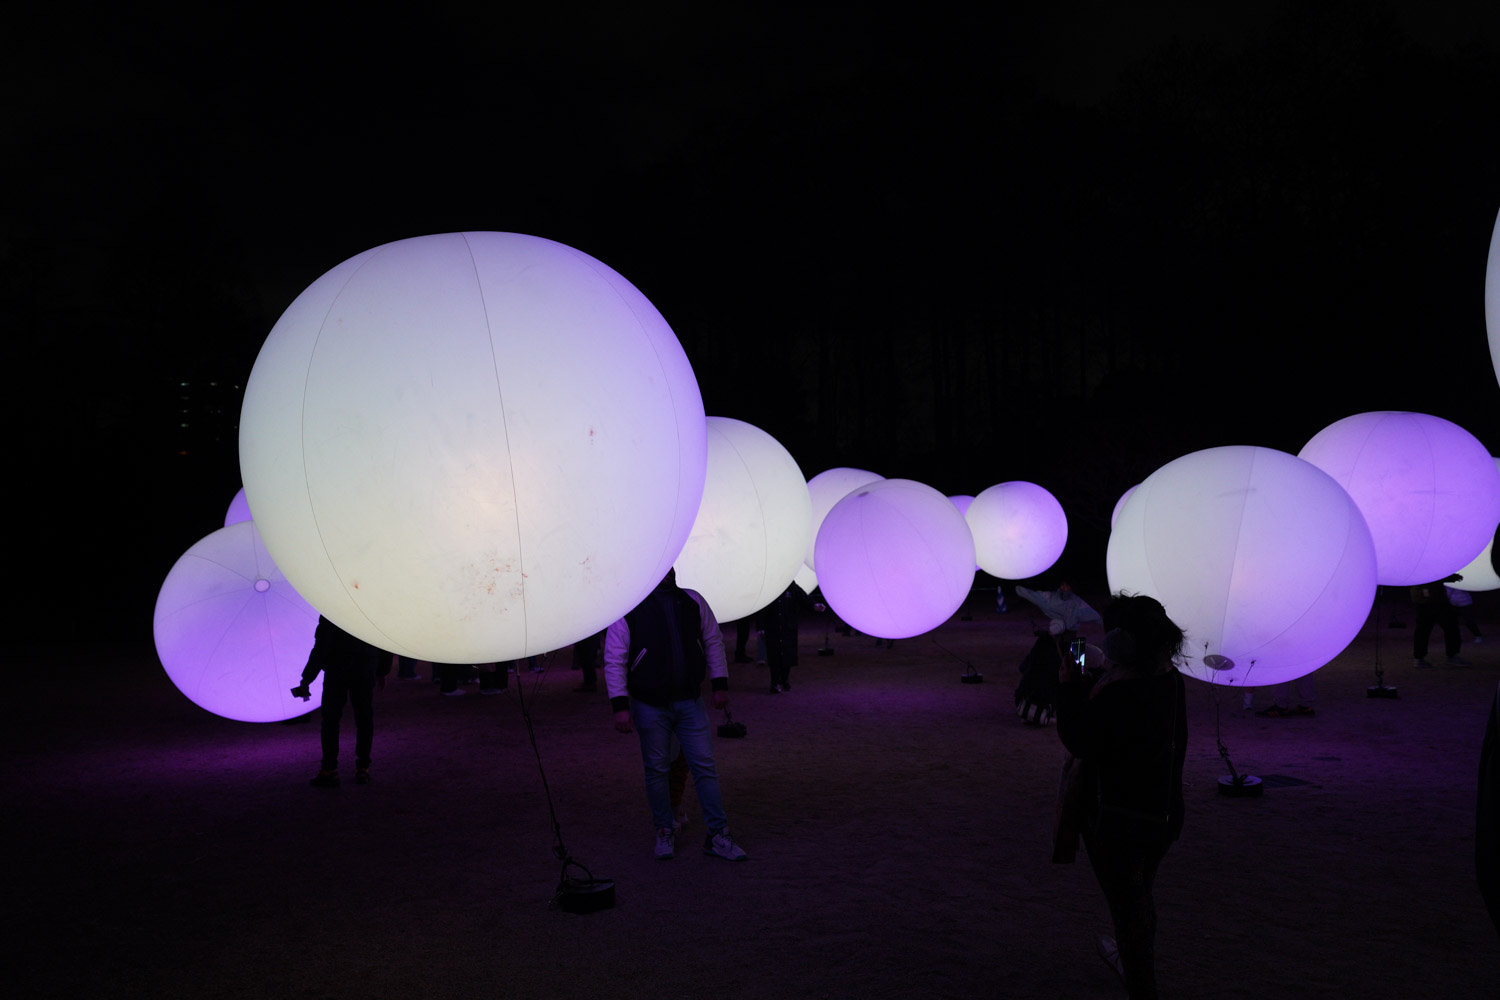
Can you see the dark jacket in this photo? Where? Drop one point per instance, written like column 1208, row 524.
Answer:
column 1131, row 733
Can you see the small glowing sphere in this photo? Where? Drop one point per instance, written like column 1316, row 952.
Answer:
column 1428, row 489
column 1480, row 573
column 239, row 509
column 826, row 489
column 1259, row 556
column 1019, row 530
column 1492, row 296
column 753, row 524
column 232, row 634
column 1114, row 516
column 895, row 558
column 473, row 447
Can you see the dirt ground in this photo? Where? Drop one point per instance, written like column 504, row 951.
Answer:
column 898, row 824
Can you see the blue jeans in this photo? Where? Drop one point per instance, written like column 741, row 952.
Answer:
column 688, row 720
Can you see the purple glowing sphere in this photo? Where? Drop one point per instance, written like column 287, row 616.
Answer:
column 1428, row 489
column 1480, row 574
column 895, row 558
column 962, row 502
column 753, row 525
column 239, row 509
column 1019, row 529
column 826, row 489
column 474, row 446
column 232, row 634
column 1259, row 556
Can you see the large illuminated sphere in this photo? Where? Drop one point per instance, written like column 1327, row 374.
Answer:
column 753, row 525
column 1429, row 490
column 232, row 634
column 239, row 509
column 1019, row 530
column 826, row 489
column 1492, row 296
column 1114, row 515
column 1259, row 556
column 895, row 558
column 473, row 447
column 1480, row 574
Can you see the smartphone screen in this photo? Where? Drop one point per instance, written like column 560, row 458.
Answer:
column 1076, row 650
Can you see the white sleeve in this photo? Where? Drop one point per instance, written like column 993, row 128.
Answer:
column 616, row 649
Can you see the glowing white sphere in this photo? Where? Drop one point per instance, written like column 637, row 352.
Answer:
column 1019, row 530
column 239, row 509
column 895, row 558
column 1492, row 296
column 1428, row 489
column 473, row 447
column 232, row 634
column 806, row 579
column 826, row 489
column 1480, row 573
column 1114, row 516
column 753, row 525
column 1259, row 556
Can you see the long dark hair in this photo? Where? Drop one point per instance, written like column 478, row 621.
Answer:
column 1149, row 636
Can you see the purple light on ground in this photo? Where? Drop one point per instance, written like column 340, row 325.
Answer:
column 1019, row 530
column 473, row 446
column 232, row 634
column 1428, row 489
column 1258, row 555
column 239, row 509
column 753, row 525
column 895, row 558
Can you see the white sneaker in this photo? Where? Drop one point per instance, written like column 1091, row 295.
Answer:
column 666, row 844
column 720, row 846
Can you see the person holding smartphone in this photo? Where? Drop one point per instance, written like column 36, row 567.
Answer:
column 1128, row 727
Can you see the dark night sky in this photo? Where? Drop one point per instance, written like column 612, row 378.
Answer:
column 1063, row 242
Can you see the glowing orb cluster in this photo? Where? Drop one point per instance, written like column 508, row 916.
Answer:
column 1259, row 556
column 753, row 525
column 473, row 447
column 1428, row 489
column 1019, row 530
column 826, row 489
column 239, row 509
column 895, row 558
column 232, row 634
